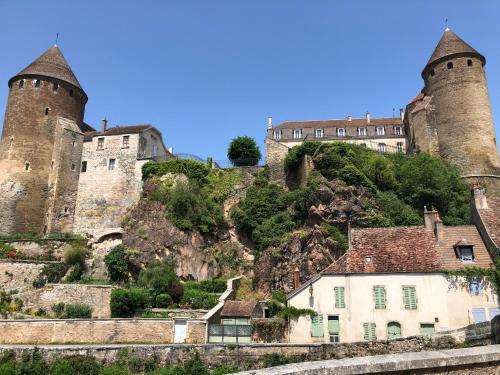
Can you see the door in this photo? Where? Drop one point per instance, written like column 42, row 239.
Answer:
column 393, row 330
column 334, row 328
column 180, row 331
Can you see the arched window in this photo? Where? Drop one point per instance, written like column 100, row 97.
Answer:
column 71, row 93
column 393, row 330
column 21, row 83
column 450, row 65
column 37, row 83
column 55, row 87
column 469, row 62
column 47, row 111
column 432, row 73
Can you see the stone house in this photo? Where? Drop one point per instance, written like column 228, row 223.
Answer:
column 391, row 283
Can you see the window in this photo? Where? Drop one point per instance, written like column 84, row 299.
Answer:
column 469, row 62
column 11, row 142
column 432, row 73
column 52, row 165
column 362, row 132
column 427, row 328
column 47, row 111
column 370, row 331
column 27, row 166
column 449, row 65
column 73, row 143
column 111, row 165
column 475, row 286
column 379, row 297
column 55, row 87
column 399, row 145
column 277, row 134
column 317, row 326
column 126, row 141
column 393, row 330
column 71, row 93
column 339, row 297
column 73, row 167
column 380, row 130
column 66, row 210
column 100, row 143
column 381, row 148
column 319, row 133
column 341, row 132
column 398, row 130
column 21, row 83
column 465, row 254
column 333, row 328
column 155, row 150
column 296, row 133
column 84, row 166
column 37, row 83
column 410, row 297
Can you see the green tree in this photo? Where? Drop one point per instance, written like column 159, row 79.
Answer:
column 243, row 151
column 117, row 264
column 159, row 278
column 125, row 303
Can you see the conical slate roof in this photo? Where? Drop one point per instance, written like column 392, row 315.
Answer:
column 51, row 64
column 451, row 44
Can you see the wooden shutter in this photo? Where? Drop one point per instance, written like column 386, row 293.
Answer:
column 427, row 329
column 317, row 326
column 410, row 297
column 379, row 296
column 369, row 331
column 339, row 297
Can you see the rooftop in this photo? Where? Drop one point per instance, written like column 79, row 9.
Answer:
column 238, row 308
column 117, row 130
column 340, row 122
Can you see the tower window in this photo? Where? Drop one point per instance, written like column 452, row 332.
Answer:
column 66, row 210
column 432, row 72
column 47, row 111
column 71, row 93
column 111, row 165
column 27, row 166
column 100, row 143
column 84, row 166
column 73, row 143
column 469, row 62
column 37, row 83
column 55, row 87
column 11, row 142
column 52, row 165
column 126, row 141
column 21, row 83
column 73, row 167
column 450, row 65
column 81, row 99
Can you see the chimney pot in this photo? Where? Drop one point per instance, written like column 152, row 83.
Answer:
column 479, row 196
column 349, row 118
column 429, row 218
column 269, row 122
column 104, row 124
column 401, row 114
column 296, row 278
column 368, row 117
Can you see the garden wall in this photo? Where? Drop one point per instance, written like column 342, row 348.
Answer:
column 17, row 274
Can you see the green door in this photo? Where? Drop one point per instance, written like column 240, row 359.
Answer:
column 393, row 330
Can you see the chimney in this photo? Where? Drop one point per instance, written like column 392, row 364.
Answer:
column 269, row 123
column 104, row 124
column 401, row 114
column 479, row 197
column 349, row 118
column 349, row 234
column 439, row 228
column 429, row 218
column 296, row 278
column 367, row 117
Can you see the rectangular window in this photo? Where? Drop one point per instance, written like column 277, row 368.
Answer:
column 398, row 130
column 379, row 297
column 400, row 146
column 427, row 328
column 362, row 132
column 100, row 143
column 318, row 133
column 296, row 133
column 84, row 166
column 466, row 254
column 410, row 297
column 126, row 141
column 277, row 134
column 341, row 132
column 334, row 328
column 73, row 167
column 370, row 333
column 111, row 165
column 380, row 131
column 381, row 148
column 317, row 326
column 339, row 297
column 479, row 314
column 155, row 150
column 475, row 286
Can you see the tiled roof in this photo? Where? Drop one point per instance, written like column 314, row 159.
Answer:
column 408, row 249
column 452, row 44
column 51, row 64
column 491, row 218
column 238, row 308
column 343, row 123
column 117, row 130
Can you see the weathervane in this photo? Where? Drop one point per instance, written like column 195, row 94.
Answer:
column 446, row 24
column 57, row 37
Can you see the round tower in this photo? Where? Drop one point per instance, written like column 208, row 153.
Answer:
column 40, row 94
column 456, row 80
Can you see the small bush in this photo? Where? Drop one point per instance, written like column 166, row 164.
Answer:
column 77, row 311
column 75, row 255
column 117, row 264
column 159, row 278
column 213, row 285
column 125, row 303
column 58, row 309
column 113, row 370
column 199, row 299
column 163, row 300
column 243, row 151
column 193, row 169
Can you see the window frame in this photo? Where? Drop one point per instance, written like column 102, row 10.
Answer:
column 83, row 168
column 362, row 129
column 477, row 289
column 462, row 257
column 379, row 305
column 382, row 132
column 100, row 143
column 317, row 328
column 369, row 331
column 398, row 130
column 297, row 133
column 277, row 134
column 382, row 148
column 126, row 141
column 339, row 296
column 111, row 164
column 400, row 146
column 319, row 133
column 341, row 132
column 408, row 305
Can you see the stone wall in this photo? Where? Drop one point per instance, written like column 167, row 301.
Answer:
column 495, row 330
column 96, row 296
column 19, row 274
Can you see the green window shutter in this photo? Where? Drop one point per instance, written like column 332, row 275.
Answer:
column 427, row 329
column 369, row 331
column 317, row 326
column 410, row 297
column 333, row 326
column 379, row 296
column 339, row 297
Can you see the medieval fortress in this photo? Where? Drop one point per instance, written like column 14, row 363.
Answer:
column 58, row 174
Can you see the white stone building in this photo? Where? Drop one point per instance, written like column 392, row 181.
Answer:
column 111, row 175
column 391, row 284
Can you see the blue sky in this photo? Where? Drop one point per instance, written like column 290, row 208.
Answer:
column 204, row 72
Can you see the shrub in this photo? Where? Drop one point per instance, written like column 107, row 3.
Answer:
column 199, row 299
column 75, row 311
column 278, row 359
column 75, row 255
column 295, row 155
column 76, row 273
column 243, row 151
column 337, row 235
column 159, row 278
column 9, row 368
column 113, row 370
column 213, row 285
column 193, row 169
column 117, row 264
column 61, row 367
column 53, row 272
column 163, row 300
column 125, row 303
column 176, row 292
column 58, row 309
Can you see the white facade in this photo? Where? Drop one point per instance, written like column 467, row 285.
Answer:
column 441, row 304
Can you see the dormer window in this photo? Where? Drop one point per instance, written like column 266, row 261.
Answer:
column 277, row 134
column 319, row 133
column 340, row 132
column 380, row 130
column 465, row 254
column 297, row 133
column 362, row 132
column 398, row 130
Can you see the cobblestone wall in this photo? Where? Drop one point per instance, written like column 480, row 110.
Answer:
column 18, row 274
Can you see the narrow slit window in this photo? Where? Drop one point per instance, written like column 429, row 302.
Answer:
column 469, row 62
column 432, row 72
column 37, row 83
column 71, row 93
column 55, row 87
column 450, row 65
column 47, row 111
column 21, row 83
column 73, row 167
column 27, row 166
column 84, row 166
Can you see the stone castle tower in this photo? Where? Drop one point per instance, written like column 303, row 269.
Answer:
column 452, row 115
column 41, row 147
